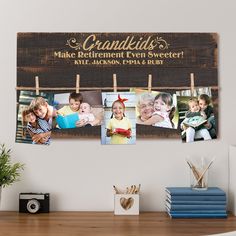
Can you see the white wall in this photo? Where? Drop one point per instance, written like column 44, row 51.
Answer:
column 232, row 178
column 79, row 174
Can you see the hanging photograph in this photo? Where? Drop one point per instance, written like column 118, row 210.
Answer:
column 34, row 118
column 119, row 120
column 197, row 115
column 78, row 109
column 158, row 109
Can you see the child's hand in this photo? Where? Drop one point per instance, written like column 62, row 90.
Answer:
column 208, row 125
column 114, row 131
column 129, row 135
column 203, row 114
column 43, row 140
column 59, row 113
column 80, row 123
column 183, row 127
column 37, row 137
column 109, row 133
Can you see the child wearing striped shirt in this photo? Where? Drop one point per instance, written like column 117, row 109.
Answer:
column 36, row 126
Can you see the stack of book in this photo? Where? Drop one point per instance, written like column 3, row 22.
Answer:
column 183, row 202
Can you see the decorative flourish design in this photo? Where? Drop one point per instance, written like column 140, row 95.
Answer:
column 162, row 44
column 158, row 42
column 72, row 42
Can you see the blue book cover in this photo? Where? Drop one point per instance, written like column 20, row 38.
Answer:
column 67, row 122
column 195, row 202
column 177, row 191
column 196, row 198
column 201, row 215
column 195, row 207
column 196, row 211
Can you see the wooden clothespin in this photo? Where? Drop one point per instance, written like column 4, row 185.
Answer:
column 114, row 83
column 149, row 83
column 192, row 84
column 77, row 83
column 37, row 85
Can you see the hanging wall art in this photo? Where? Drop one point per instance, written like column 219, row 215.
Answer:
column 74, row 71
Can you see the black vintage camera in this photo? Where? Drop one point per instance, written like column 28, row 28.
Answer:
column 34, row 202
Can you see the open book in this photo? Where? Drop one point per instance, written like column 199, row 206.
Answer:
column 194, row 122
column 67, row 122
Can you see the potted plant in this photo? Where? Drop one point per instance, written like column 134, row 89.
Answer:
column 9, row 172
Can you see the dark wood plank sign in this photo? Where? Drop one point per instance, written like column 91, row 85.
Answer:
column 170, row 59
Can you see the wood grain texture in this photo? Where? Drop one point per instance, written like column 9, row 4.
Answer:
column 106, row 224
column 36, row 49
column 35, row 57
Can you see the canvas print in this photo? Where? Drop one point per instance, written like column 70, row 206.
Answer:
column 119, row 123
column 34, row 118
column 61, row 63
column 197, row 119
column 77, row 110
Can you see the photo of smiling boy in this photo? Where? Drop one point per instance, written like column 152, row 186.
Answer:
column 75, row 99
column 43, row 110
column 36, row 126
column 78, row 110
column 34, row 118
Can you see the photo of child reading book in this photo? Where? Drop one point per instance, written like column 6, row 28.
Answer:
column 67, row 116
column 78, row 110
column 119, row 127
column 75, row 99
column 197, row 120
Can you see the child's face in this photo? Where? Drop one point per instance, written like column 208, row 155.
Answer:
column 85, row 108
column 202, row 104
column 194, row 107
column 74, row 105
column 160, row 105
column 42, row 111
column 118, row 110
column 31, row 118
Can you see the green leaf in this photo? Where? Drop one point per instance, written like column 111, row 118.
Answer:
column 9, row 173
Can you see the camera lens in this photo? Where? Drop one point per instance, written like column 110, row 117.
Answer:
column 33, row 206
